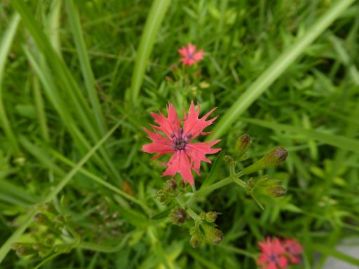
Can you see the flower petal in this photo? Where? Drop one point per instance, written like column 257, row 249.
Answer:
column 160, row 145
column 198, row 56
column 198, row 151
column 194, row 126
column 169, row 125
column 180, row 163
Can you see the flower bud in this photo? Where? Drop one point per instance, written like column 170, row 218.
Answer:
column 268, row 187
column 171, row 185
column 161, row 196
column 212, row 234
column 195, row 240
column 243, row 144
column 276, row 191
column 273, row 158
column 178, row 216
column 22, row 249
column 211, row 216
column 41, row 218
column 276, row 157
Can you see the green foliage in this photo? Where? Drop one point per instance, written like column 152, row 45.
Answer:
column 78, row 80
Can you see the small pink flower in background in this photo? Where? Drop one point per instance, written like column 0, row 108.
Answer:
column 190, row 55
column 293, row 250
column 172, row 137
column 272, row 254
column 278, row 254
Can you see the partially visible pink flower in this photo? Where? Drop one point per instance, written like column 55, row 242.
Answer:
column 293, row 250
column 190, row 55
column 172, row 137
column 272, row 254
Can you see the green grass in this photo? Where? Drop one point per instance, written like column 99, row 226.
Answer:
column 78, row 80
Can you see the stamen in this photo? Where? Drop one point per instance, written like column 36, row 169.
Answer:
column 180, row 141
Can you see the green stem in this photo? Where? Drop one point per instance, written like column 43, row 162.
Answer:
column 189, row 210
column 208, row 189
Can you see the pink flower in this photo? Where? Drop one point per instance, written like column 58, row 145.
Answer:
column 190, row 55
column 272, row 254
column 172, row 137
column 293, row 250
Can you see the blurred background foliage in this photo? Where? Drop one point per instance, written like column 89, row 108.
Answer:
column 67, row 77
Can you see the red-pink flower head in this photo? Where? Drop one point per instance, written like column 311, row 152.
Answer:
column 190, row 55
column 293, row 250
column 272, row 254
column 172, row 137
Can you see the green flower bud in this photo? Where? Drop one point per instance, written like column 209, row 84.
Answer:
column 212, row 234
column 178, row 216
column 268, row 187
column 195, row 240
column 274, row 158
column 211, row 216
column 22, row 249
column 276, row 191
column 243, row 144
column 171, row 185
column 161, row 196
column 41, row 218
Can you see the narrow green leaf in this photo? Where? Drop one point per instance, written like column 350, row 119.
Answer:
column 278, row 68
column 153, row 23
column 4, row 51
column 75, row 26
column 330, row 139
column 17, row 193
column 64, row 77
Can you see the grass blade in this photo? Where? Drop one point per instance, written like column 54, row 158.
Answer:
column 4, row 51
column 75, row 26
column 330, row 139
column 278, row 68
column 5, row 248
column 155, row 17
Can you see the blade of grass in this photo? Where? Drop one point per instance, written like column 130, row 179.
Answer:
column 42, row 155
column 87, row 73
column 5, row 248
column 51, row 92
column 330, row 139
column 153, row 23
column 64, row 78
column 277, row 68
column 16, row 193
column 53, row 25
column 102, row 182
column 40, row 110
column 4, row 51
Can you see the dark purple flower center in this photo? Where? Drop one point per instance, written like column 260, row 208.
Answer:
column 273, row 258
column 180, row 140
